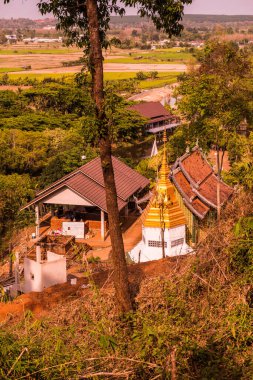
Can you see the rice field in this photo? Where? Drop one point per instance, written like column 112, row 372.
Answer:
column 174, row 55
column 163, row 78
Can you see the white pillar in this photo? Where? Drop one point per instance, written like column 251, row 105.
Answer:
column 37, row 221
column 16, row 269
column 38, row 254
column 102, row 225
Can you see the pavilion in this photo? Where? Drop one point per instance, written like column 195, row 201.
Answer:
column 81, row 200
column 158, row 118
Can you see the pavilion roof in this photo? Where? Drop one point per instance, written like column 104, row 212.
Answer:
column 87, row 181
column 151, row 110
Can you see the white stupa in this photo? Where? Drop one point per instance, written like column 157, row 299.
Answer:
column 164, row 223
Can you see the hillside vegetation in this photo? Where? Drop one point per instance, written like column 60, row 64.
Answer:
column 193, row 318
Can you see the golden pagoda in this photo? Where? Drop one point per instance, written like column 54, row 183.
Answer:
column 164, row 210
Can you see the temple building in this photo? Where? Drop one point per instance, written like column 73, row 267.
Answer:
column 158, row 118
column 196, row 191
column 164, row 222
column 77, row 202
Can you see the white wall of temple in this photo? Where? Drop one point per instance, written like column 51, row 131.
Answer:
column 151, row 246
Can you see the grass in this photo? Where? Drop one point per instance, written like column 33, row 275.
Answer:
column 10, row 69
column 164, row 78
column 174, row 55
column 39, row 77
column 28, row 51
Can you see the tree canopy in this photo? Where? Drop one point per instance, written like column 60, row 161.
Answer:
column 72, row 16
column 217, row 94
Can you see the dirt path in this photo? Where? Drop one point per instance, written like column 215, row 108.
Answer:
column 108, row 67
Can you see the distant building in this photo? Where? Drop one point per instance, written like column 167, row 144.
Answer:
column 11, row 38
column 196, row 185
column 159, row 119
column 48, row 27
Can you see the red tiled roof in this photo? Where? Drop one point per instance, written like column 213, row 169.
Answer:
column 208, row 190
column 88, row 182
column 195, row 180
column 196, row 167
column 150, row 110
column 184, row 184
column 127, row 180
column 91, row 191
column 200, row 207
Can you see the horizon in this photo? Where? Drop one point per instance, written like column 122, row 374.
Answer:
column 132, row 15
column 28, row 9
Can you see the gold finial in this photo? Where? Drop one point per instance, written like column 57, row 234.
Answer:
column 164, row 171
column 164, row 136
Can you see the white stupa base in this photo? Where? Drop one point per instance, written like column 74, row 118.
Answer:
column 141, row 255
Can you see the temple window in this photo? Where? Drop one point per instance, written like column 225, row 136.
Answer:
column 177, row 242
column 157, row 244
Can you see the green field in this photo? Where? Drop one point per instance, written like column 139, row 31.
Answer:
column 162, row 79
column 28, row 51
column 39, row 77
column 174, row 55
column 10, row 69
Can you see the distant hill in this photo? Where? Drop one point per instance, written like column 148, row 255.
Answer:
column 187, row 19
column 218, row 18
column 131, row 21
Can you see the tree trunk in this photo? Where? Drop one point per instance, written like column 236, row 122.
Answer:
column 118, row 253
column 218, row 183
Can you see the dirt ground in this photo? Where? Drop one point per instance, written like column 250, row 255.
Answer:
column 37, row 61
column 50, row 64
column 41, row 303
column 212, row 157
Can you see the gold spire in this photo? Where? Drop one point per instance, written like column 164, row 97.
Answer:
column 164, row 210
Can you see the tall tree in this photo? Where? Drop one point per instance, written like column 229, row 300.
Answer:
column 216, row 98
column 86, row 23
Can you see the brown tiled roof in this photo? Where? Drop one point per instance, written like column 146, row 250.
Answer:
column 88, row 182
column 184, row 184
column 90, row 190
column 208, row 190
column 196, row 167
column 200, row 207
column 195, row 180
column 127, row 180
column 150, row 110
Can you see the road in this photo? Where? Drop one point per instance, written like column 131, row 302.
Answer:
column 113, row 67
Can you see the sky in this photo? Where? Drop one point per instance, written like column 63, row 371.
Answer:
column 28, row 8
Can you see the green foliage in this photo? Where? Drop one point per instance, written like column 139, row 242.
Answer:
column 15, row 191
column 141, row 75
column 73, row 20
column 224, row 59
column 61, row 98
column 94, row 260
column 146, row 168
column 240, row 150
column 242, row 248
